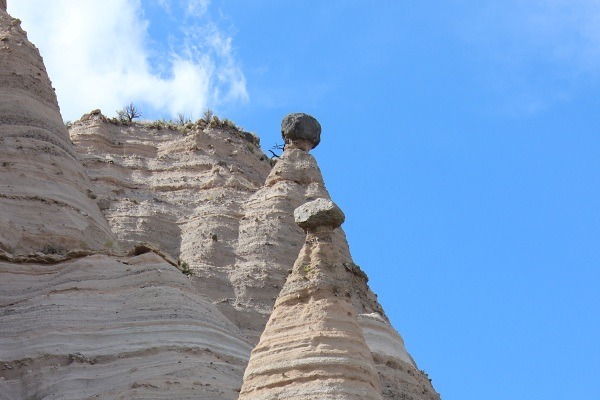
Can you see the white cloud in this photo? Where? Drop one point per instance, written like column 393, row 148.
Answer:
column 568, row 31
column 535, row 53
column 197, row 8
column 98, row 55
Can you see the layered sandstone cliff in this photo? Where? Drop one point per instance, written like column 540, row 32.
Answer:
column 108, row 327
column 76, row 320
column 43, row 200
column 207, row 195
column 82, row 316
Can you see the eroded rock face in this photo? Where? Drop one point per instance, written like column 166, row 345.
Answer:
column 181, row 192
column 113, row 327
column 43, row 200
column 207, row 197
column 313, row 346
column 135, row 327
column 269, row 239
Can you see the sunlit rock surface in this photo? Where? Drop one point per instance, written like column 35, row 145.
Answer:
column 44, row 204
column 80, row 318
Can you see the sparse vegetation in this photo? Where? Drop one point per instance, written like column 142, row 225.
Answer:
column 184, row 267
column 207, row 115
column 185, row 125
column 182, row 120
column 128, row 113
column 276, row 146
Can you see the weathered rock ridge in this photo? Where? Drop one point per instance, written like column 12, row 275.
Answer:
column 82, row 316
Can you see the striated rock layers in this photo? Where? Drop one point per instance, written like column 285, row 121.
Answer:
column 208, row 195
column 80, row 317
column 43, row 188
column 76, row 320
column 313, row 346
column 102, row 327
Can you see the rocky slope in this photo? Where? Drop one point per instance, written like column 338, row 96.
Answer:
column 74, row 301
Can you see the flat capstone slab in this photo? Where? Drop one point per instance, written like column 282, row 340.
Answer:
column 300, row 126
column 319, row 212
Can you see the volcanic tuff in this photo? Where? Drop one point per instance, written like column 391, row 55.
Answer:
column 87, row 311
column 313, row 346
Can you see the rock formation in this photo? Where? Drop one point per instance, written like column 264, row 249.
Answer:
column 313, row 346
column 76, row 320
column 74, row 297
column 43, row 200
column 107, row 327
column 210, row 197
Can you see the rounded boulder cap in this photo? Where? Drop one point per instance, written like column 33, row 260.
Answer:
column 319, row 212
column 300, row 126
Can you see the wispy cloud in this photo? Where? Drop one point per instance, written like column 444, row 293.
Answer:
column 101, row 56
column 196, row 8
column 536, row 52
column 560, row 31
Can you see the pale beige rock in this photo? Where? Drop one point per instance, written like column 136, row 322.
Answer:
column 113, row 328
column 207, row 195
column 43, row 201
column 398, row 372
column 313, row 346
column 182, row 193
column 175, row 191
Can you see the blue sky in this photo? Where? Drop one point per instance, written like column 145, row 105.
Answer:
column 461, row 139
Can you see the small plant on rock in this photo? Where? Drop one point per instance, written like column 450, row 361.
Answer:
column 184, row 267
column 207, row 115
column 183, row 120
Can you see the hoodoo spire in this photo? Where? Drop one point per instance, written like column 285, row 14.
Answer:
column 313, row 346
